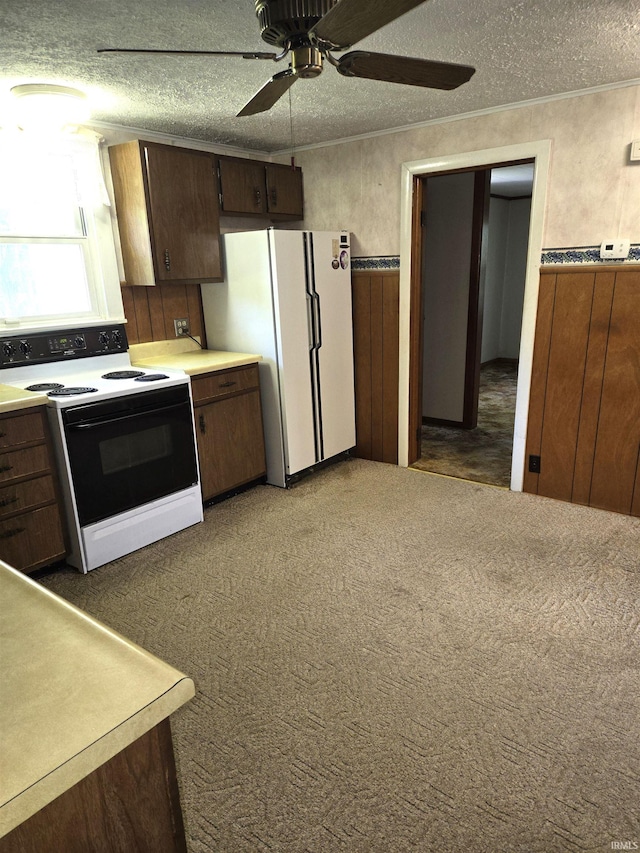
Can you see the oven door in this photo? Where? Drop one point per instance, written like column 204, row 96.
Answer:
column 128, row 451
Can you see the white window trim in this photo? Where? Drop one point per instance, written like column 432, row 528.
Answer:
column 98, row 245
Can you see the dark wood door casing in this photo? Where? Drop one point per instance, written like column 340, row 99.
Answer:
column 477, row 272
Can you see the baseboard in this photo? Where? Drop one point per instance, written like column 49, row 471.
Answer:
column 500, row 361
column 441, row 422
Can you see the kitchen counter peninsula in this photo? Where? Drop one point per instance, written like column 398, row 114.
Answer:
column 12, row 399
column 86, row 743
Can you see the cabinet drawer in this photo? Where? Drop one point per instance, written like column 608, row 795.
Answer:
column 23, row 463
column 224, row 382
column 21, row 429
column 26, row 495
column 33, row 539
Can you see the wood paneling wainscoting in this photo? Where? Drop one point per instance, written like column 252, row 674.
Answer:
column 584, row 415
column 376, row 296
column 150, row 311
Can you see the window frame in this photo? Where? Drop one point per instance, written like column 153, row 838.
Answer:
column 97, row 241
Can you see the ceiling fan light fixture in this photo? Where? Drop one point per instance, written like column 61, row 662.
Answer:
column 48, row 106
column 306, row 62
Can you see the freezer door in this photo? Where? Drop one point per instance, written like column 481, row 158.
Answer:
column 333, row 361
column 291, row 308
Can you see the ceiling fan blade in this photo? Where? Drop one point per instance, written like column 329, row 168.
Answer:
column 269, row 94
column 351, row 20
column 245, row 54
column 404, row 69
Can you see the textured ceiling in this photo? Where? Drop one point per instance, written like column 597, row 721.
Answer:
column 522, row 49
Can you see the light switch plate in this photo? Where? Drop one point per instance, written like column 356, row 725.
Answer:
column 615, row 249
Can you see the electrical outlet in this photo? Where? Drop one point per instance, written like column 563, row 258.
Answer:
column 534, row 464
column 181, row 327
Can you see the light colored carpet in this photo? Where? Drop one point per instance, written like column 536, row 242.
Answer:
column 390, row 661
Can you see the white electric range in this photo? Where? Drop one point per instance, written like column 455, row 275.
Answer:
column 124, row 439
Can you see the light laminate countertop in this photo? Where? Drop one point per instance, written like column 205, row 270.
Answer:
column 185, row 354
column 74, row 694
column 12, row 399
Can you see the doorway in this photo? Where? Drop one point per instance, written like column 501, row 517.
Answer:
column 474, row 240
column 409, row 415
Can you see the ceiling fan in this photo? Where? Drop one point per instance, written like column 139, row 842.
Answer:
column 310, row 31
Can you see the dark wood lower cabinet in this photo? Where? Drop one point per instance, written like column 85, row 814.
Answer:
column 130, row 804
column 228, row 417
column 31, row 531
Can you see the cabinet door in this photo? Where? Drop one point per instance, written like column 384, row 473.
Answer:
column 284, row 190
column 230, row 443
column 32, row 539
column 242, row 186
column 183, row 212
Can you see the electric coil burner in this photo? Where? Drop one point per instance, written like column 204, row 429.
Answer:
column 123, row 374
column 124, row 439
column 44, row 386
column 70, row 392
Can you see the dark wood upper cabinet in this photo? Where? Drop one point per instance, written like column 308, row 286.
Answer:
column 168, row 217
column 242, row 186
column 284, row 190
column 257, row 188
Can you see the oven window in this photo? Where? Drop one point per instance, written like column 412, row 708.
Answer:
column 127, row 452
column 130, row 451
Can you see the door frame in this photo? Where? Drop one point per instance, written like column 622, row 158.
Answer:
column 411, row 284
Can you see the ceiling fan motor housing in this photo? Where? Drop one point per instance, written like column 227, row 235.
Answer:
column 285, row 22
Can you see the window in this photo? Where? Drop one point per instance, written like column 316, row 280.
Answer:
column 57, row 256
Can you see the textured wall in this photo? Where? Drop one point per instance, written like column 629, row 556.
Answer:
column 593, row 191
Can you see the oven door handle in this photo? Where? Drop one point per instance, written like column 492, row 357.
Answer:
column 84, row 425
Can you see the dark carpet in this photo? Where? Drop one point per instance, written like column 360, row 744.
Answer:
column 482, row 454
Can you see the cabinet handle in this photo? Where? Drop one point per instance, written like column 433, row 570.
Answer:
column 4, row 468
column 258, row 196
column 203, row 424
column 167, row 260
column 274, row 195
column 8, row 534
column 7, row 501
column 228, row 383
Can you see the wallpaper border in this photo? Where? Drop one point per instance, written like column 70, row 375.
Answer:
column 587, row 255
column 573, row 255
column 382, row 262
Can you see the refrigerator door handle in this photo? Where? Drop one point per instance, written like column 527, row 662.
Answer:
column 310, row 323
column 316, row 302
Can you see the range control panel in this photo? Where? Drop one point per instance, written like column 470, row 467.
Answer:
column 65, row 345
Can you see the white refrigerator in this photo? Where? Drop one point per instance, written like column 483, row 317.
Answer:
column 287, row 297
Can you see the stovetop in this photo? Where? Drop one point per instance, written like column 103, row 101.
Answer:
column 82, row 365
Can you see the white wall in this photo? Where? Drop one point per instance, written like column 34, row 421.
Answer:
column 505, row 277
column 447, row 253
column 514, row 277
column 592, row 193
column 494, row 278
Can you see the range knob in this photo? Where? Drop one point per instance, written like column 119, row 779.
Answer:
column 8, row 350
column 78, row 341
column 25, row 347
column 116, row 337
column 103, row 337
